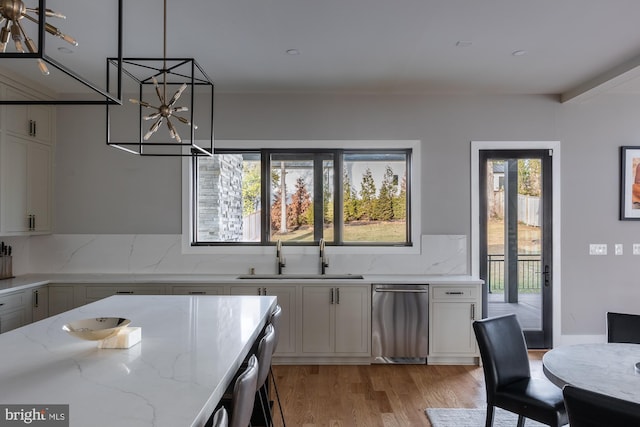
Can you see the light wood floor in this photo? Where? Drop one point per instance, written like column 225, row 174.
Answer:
column 378, row 395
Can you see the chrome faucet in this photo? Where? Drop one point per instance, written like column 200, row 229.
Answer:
column 324, row 262
column 280, row 262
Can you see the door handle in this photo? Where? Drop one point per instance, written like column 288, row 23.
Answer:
column 546, row 274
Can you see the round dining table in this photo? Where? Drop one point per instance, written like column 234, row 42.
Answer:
column 608, row 369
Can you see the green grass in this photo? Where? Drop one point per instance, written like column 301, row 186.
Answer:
column 360, row 231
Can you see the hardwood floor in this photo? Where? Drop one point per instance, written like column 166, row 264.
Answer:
column 378, row 395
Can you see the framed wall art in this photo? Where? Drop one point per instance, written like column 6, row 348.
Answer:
column 629, row 183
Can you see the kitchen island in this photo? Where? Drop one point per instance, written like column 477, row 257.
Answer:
column 191, row 347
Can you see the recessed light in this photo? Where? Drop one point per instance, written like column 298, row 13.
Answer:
column 519, row 52
column 293, row 52
column 463, row 43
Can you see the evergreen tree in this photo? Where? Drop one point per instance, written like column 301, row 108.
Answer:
column 384, row 204
column 400, row 201
column 367, row 196
column 349, row 200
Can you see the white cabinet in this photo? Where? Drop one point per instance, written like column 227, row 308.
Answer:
column 26, row 167
column 97, row 292
column 26, row 186
column 451, row 314
column 39, row 303
column 336, row 320
column 197, row 290
column 286, row 295
column 13, row 311
column 32, row 121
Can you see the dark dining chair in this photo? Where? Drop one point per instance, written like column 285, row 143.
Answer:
column 275, row 320
column 508, row 376
column 589, row 409
column 623, row 328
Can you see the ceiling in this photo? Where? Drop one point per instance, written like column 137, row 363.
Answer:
column 573, row 48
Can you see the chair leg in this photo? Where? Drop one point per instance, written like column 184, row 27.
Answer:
column 520, row 421
column 266, row 408
column 275, row 388
column 490, row 411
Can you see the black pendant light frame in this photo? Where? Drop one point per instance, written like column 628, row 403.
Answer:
column 105, row 96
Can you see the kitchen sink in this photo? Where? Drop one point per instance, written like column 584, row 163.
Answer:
column 300, row 276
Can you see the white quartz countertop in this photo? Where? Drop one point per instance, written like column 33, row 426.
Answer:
column 32, row 280
column 191, row 347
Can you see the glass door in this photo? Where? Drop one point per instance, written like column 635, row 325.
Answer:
column 515, row 238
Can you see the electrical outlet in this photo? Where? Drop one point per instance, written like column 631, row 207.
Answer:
column 598, row 249
column 636, row 248
column 618, row 249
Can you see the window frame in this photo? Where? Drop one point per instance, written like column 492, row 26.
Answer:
column 414, row 160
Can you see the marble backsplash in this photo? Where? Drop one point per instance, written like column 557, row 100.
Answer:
column 158, row 254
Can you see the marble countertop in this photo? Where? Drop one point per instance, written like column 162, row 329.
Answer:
column 32, row 280
column 191, row 347
column 603, row 368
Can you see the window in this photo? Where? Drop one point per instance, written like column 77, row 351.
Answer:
column 231, row 190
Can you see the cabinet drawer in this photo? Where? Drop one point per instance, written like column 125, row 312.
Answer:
column 98, row 292
column 12, row 301
column 454, row 293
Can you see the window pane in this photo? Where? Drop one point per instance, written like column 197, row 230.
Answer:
column 228, row 198
column 375, row 197
column 328, row 200
column 291, row 186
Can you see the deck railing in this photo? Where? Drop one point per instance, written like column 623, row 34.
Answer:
column 529, row 277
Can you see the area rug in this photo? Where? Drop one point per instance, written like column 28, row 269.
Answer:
column 447, row 417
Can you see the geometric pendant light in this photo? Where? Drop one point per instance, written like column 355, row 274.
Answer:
column 169, row 110
column 34, row 48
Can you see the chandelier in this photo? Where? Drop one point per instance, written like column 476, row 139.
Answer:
column 167, row 84
column 11, row 13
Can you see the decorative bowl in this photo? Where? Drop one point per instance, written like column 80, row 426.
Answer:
column 97, row 328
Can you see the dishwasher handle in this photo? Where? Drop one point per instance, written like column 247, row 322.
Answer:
column 406, row 291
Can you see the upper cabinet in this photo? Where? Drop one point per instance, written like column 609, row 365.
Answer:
column 30, row 121
column 26, row 166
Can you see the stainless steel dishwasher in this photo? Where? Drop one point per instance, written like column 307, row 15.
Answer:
column 399, row 323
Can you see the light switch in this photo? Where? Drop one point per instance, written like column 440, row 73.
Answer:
column 618, row 249
column 636, row 248
column 598, row 249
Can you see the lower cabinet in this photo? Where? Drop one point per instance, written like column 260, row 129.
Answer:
column 336, row 320
column 286, row 295
column 452, row 312
column 14, row 311
column 97, row 292
column 61, row 299
column 39, row 303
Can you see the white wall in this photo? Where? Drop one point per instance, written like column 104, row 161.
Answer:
column 101, row 191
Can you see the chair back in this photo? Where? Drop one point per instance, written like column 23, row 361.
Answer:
column 244, row 394
column 220, row 418
column 503, row 350
column 589, row 409
column 265, row 351
column 275, row 320
column 623, row 328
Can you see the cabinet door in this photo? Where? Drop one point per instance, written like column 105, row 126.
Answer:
column 40, row 303
column 60, row 299
column 197, row 290
column 14, row 185
column 32, row 121
column 454, row 333
column 286, row 295
column 39, row 186
column 318, row 319
column 353, row 319
column 12, row 320
column 246, row 290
